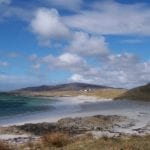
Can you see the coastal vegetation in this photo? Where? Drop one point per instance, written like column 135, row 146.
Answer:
column 88, row 142
column 5, row 146
column 141, row 93
column 59, row 141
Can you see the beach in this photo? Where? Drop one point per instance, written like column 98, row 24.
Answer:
column 135, row 116
column 54, row 108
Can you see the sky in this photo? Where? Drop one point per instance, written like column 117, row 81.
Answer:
column 44, row 42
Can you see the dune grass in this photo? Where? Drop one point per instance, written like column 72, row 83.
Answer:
column 59, row 141
column 131, row 143
column 55, row 140
column 5, row 146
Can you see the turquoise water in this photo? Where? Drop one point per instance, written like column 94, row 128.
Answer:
column 20, row 110
column 13, row 105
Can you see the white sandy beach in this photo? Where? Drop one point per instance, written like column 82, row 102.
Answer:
column 137, row 112
column 65, row 107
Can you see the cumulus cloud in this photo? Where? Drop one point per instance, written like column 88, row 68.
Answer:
column 88, row 45
column 47, row 24
column 79, row 78
column 113, row 18
column 117, row 70
column 66, row 61
column 70, row 59
column 85, row 32
column 72, row 62
column 121, row 70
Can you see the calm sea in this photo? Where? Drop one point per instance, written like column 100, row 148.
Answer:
column 13, row 105
column 17, row 109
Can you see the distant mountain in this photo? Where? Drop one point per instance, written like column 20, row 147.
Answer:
column 141, row 93
column 62, row 87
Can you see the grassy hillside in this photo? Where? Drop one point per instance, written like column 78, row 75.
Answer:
column 141, row 93
column 62, row 87
column 71, row 89
column 106, row 93
column 100, row 93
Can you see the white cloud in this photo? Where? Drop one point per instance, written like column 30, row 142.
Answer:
column 79, row 78
column 84, row 44
column 48, row 25
column 121, row 70
column 71, row 62
column 85, row 30
column 76, row 78
column 116, row 70
column 68, row 59
column 112, row 18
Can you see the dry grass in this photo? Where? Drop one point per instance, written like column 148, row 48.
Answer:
column 132, row 143
column 59, row 141
column 5, row 146
column 55, row 140
column 107, row 93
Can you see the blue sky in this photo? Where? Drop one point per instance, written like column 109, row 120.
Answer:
column 98, row 42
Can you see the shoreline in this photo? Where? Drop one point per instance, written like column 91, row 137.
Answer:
column 135, row 124
column 99, row 126
column 70, row 101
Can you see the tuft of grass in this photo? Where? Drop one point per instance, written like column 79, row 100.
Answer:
column 5, row 146
column 60, row 141
column 55, row 140
column 105, row 143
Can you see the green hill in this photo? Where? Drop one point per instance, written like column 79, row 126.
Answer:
column 141, row 93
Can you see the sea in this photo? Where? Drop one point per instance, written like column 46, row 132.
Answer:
column 21, row 109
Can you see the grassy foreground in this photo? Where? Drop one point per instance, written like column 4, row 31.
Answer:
column 60, row 141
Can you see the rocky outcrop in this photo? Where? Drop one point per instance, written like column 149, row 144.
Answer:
column 70, row 125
